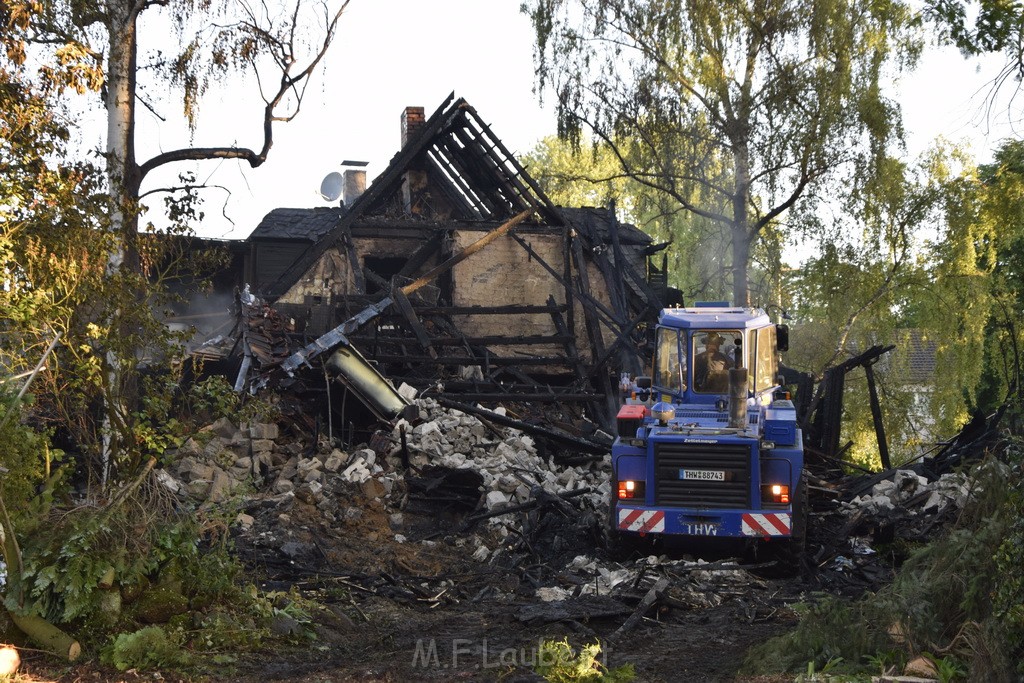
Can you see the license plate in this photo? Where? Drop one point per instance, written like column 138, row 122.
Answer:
column 702, row 475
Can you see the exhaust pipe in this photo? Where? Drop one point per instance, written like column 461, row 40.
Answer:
column 738, row 398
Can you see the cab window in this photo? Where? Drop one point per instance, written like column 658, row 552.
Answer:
column 670, row 362
column 767, row 366
column 714, row 352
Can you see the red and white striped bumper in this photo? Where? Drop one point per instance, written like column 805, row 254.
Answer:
column 642, row 521
column 767, row 525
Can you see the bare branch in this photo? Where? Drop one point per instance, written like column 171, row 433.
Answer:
column 289, row 83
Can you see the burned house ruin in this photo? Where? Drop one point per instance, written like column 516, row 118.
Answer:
column 552, row 304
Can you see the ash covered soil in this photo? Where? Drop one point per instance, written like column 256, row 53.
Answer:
column 453, row 557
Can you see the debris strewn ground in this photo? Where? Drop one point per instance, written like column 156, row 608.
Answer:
column 450, row 529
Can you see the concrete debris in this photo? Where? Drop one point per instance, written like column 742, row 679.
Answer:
column 913, row 494
column 510, row 464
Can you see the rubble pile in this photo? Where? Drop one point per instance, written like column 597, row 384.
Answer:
column 912, row 494
column 861, row 526
column 506, row 458
column 306, row 502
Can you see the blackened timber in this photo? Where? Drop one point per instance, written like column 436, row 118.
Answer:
column 441, row 158
column 468, row 251
column 589, row 312
column 459, row 165
column 876, row 415
column 337, row 336
column 586, row 298
column 379, row 189
column 353, row 262
column 465, row 360
column 403, row 305
column 547, row 432
column 570, row 343
column 456, row 192
column 620, row 341
column 547, row 209
column 513, row 195
column 594, row 332
column 419, row 257
column 494, row 340
column 536, row 397
column 512, row 309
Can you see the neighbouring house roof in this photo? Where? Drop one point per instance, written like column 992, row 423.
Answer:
column 298, row 224
column 597, row 223
column 917, row 354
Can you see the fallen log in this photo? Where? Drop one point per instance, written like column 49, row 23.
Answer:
column 47, row 636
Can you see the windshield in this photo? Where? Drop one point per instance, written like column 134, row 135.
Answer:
column 714, row 352
column 670, row 363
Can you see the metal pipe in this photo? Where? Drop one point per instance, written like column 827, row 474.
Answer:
column 738, row 398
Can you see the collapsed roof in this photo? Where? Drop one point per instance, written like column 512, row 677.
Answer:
column 551, row 305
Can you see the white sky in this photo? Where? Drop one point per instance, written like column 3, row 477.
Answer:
column 389, row 54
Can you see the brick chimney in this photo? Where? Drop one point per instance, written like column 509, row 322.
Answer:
column 412, row 121
column 414, row 183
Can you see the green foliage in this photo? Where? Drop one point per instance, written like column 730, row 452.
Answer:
column 557, row 662
column 64, row 567
column 959, row 596
column 733, row 112
column 948, row 669
column 591, row 175
column 149, row 648
column 32, row 465
column 824, row 635
column 998, row 26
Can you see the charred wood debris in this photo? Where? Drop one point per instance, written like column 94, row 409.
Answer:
column 447, row 502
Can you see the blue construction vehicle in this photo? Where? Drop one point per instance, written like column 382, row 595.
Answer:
column 708, row 446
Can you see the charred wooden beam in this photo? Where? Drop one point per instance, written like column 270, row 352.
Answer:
column 546, row 207
column 419, row 257
column 537, row 397
column 511, row 309
column 353, row 261
column 493, row 340
column 403, row 305
column 570, row 344
column 466, row 360
column 876, row 415
column 337, row 336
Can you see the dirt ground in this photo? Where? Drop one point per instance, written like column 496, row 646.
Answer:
column 397, row 612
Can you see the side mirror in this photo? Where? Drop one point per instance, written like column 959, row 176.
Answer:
column 782, row 337
column 643, row 382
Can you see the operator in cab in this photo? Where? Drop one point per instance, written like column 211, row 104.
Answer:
column 711, row 368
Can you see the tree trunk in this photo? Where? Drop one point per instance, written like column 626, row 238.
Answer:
column 123, row 178
column 740, row 229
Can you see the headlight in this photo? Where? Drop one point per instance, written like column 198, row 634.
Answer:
column 631, row 489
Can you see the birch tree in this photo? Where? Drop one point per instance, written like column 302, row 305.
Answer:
column 147, row 53
column 736, row 110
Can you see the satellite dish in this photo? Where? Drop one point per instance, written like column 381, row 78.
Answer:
column 330, row 188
